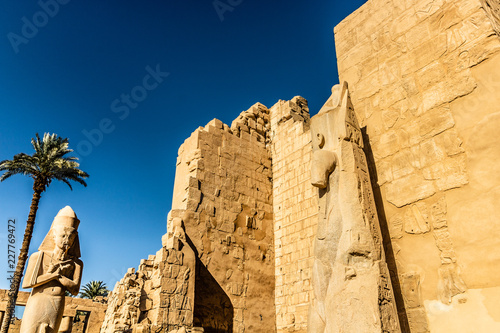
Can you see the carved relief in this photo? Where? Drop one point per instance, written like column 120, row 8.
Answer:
column 348, row 249
column 417, row 318
column 417, row 219
column 492, row 9
column 160, row 295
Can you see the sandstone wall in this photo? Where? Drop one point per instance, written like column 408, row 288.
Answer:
column 159, row 296
column 224, row 184
column 295, row 212
column 95, row 308
column 424, row 77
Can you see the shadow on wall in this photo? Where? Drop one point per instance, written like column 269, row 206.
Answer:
column 389, row 252
column 212, row 307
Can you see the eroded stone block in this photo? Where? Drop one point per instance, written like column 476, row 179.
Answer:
column 409, row 189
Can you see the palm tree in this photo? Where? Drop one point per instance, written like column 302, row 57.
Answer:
column 93, row 289
column 47, row 163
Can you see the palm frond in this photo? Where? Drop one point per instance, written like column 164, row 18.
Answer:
column 93, row 289
column 48, row 162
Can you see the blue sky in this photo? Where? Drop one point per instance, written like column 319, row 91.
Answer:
column 127, row 82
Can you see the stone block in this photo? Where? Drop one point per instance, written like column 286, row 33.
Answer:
column 427, row 51
column 448, row 174
column 410, row 284
column 434, row 122
column 408, row 190
column 404, row 163
column 430, row 153
column 449, row 142
column 447, row 90
column 386, row 145
column 431, row 74
column 417, row 319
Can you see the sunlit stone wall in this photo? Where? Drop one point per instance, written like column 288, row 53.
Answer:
column 424, row 78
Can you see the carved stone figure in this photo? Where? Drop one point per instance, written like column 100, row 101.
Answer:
column 159, row 296
column 51, row 271
column 352, row 288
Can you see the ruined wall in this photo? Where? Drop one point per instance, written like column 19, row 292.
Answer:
column 223, row 183
column 295, row 212
column 159, row 296
column 423, row 76
column 96, row 309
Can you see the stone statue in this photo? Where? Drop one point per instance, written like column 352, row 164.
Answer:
column 51, row 271
column 351, row 283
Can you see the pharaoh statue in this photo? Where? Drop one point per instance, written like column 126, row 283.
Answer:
column 351, row 283
column 51, row 271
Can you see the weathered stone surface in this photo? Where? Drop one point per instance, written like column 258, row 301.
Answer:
column 417, row 320
column 411, row 286
column 451, row 173
column 450, row 282
column 348, row 248
column 437, row 63
column 396, row 226
column 408, row 190
column 295, row 213
column 417, row 219
column 160, row 294
column 51, row 271
column 424, row 83
column 492, row 9
column 438, row 211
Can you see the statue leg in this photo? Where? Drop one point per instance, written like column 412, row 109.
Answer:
column 317, row 313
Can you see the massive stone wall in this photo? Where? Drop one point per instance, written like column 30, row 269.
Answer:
column 423, row 75
column 215, row 272
column 295, row 212
column 224, row 184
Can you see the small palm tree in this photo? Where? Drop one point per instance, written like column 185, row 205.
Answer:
column 47, row 163
column 93, row 289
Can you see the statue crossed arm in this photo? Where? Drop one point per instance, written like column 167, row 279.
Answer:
column 67, row 273
column 51, row 271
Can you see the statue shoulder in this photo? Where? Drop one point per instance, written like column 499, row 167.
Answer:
column 36, row 258
column 78, row 262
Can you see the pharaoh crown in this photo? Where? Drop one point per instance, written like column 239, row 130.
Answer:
column 66, row 218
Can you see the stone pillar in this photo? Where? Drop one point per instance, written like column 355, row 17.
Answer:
column 351, row 282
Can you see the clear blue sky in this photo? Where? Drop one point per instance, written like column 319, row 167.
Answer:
column 73, row 73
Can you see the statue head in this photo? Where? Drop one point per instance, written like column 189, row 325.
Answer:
column 64, row 237
column 63, row 234
column 334, row 124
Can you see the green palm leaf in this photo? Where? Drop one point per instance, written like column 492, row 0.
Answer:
column 93, row 289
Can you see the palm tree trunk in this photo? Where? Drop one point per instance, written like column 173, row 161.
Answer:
column 21, row 261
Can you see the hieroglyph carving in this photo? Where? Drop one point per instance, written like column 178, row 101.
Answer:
column 351, row 282
column 492, row 8
column 51, row 271
column 159, row 296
